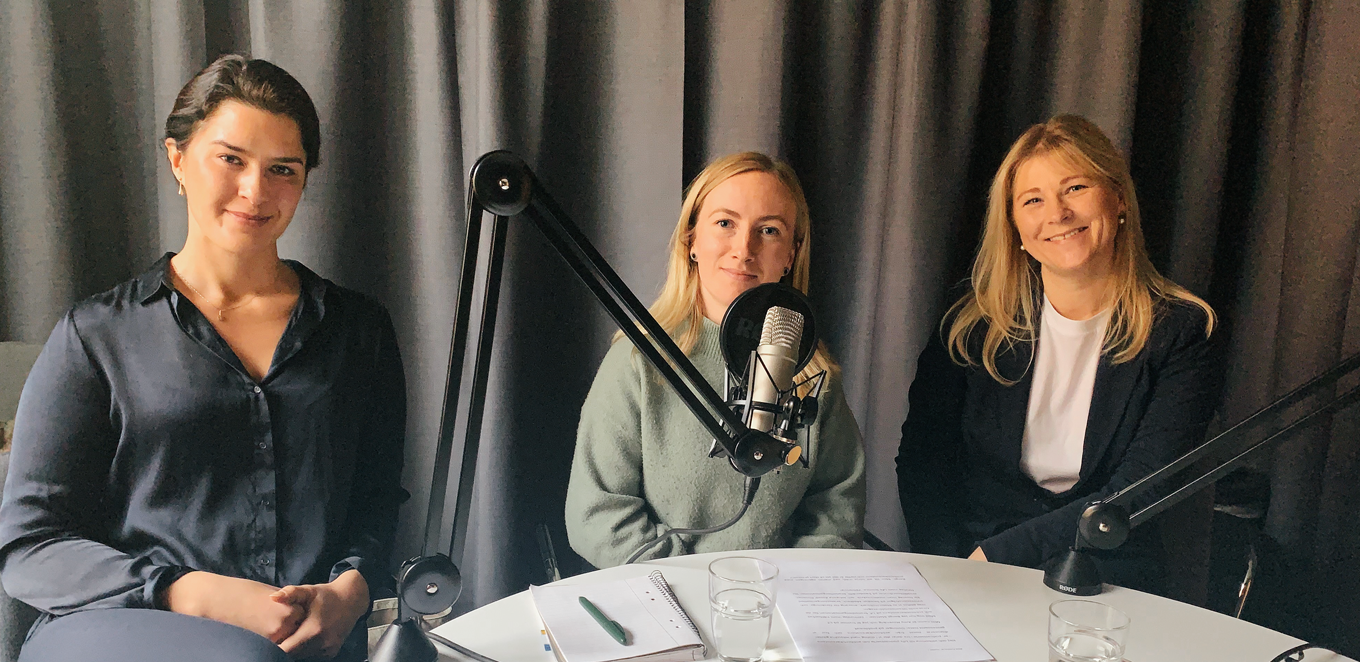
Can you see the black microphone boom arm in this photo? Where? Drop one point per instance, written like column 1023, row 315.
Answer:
column 1105, row 524
column 502, row 184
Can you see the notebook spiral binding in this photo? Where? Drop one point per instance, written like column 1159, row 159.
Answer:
column 659, row 581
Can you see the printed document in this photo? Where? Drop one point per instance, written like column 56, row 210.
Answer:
column 870, row 612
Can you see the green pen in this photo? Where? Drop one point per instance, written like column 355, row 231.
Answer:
column 613, row 628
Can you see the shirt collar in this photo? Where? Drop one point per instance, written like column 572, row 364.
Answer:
column 313, row 288
column 155, row 282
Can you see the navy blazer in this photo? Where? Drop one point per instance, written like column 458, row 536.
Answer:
column 958, row 466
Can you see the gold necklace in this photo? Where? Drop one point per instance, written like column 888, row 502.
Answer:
column 221, row 312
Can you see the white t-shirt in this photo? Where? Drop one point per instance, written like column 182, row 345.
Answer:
column 1060, row 398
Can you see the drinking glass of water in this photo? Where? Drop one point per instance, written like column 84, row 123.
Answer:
column 741, row 594
column 1086, row 631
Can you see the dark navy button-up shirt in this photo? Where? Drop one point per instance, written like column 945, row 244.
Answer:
column 144, row 449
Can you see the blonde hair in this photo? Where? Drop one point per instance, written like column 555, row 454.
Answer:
column 679, row 308
column 1006, row 281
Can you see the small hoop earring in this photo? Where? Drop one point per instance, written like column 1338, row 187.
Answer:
column 693, row 257
column 786, row 271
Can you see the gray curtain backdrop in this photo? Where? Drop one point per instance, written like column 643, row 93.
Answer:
column 1241, row 118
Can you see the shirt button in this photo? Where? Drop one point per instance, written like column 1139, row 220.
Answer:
column 257, row 389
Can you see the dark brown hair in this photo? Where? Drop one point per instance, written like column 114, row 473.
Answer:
column 256, row 83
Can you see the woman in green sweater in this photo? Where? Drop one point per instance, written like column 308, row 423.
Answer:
column 641, row 466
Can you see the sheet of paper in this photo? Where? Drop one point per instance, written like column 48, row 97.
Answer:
column 870, row 612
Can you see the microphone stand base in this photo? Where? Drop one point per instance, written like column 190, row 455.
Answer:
column 1074, row 573
column 404, row 641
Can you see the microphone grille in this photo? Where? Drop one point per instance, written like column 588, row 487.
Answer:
column 783, row 328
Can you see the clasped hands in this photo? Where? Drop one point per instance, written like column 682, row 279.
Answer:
column 306, row 621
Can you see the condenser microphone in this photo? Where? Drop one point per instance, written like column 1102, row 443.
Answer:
column 767, row 337
column 780, row 338
column 743, row 325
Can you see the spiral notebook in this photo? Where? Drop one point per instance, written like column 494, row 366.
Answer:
column 658, row 629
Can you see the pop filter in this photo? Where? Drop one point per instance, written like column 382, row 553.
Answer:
column 741, row 326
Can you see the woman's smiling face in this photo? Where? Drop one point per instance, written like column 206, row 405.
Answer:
column 1066, row 219
column 743, row 237
column 243, row 171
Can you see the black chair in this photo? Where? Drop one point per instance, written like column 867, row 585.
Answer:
column 1239, row 510
column 874, row 542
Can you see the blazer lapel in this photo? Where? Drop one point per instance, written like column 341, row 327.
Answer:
column 1109, row 399
column 1012, row 402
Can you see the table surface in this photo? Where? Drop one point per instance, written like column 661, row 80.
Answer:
column 1004, row 606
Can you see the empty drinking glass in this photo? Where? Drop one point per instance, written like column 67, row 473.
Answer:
column 1086, row 631
column 741, row 594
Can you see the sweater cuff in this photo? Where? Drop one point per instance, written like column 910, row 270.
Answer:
column 823, row 541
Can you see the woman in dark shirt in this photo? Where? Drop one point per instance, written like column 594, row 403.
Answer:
column 223, row 425
column 1068, row 369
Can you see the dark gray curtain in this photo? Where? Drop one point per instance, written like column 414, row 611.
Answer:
column 1241, row 118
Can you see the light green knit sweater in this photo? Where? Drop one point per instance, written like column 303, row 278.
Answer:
column 642, row 467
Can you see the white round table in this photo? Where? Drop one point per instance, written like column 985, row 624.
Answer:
column 1004, row 607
